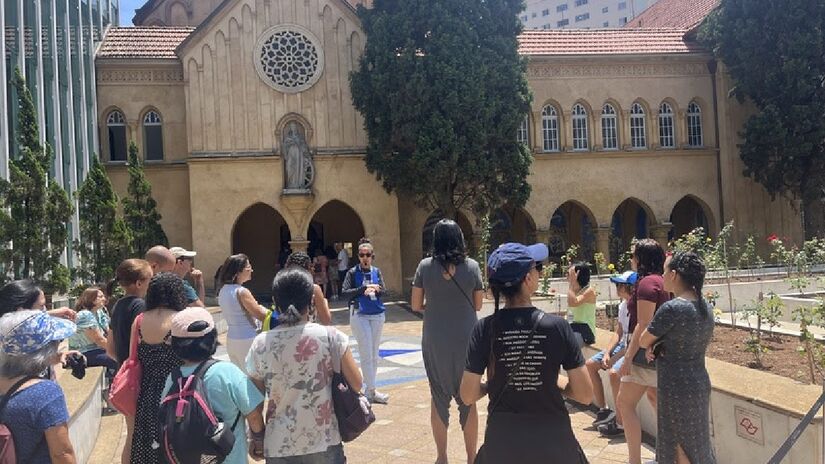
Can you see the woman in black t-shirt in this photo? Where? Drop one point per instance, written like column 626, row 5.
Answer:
column 526, row 391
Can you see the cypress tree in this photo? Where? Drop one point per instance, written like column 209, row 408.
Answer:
column 35, row 209
column 140, row 209
column 106, row 240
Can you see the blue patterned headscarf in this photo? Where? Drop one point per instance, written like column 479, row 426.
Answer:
column 34, row 332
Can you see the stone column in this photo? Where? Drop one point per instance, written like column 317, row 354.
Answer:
column 603, row 241
column 299, row 245
column 659, row 233
column 542, row 236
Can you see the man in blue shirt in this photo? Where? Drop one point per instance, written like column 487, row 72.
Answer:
column 184, row 266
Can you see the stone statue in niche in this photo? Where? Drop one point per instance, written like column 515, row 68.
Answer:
column 299, row 172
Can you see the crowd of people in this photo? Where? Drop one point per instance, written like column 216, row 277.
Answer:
column 274, row 397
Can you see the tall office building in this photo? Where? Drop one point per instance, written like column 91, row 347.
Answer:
column 581, row 14
column 53, row 44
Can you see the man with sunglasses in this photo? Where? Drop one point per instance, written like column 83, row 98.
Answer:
column 362, row 288
column 185, row 265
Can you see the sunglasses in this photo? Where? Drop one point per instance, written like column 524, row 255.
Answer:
column 365, row 255
column 539, row 267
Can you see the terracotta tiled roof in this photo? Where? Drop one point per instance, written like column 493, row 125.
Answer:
column 143, row 42
column 682, row 14
column 604, row 42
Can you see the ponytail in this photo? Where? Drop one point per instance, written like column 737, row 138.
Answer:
column 290, row 316
column 691, row 269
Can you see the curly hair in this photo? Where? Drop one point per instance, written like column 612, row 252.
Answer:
column 650, row 257
column 166, row 290
column 300, row 259
column 691, row 269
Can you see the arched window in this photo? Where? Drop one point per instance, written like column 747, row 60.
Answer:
column 523, row 134
column 580, row 128
column 666, row 138
column 153, row 136
column 610, row 134
column 694, row 125
column 638, row 131
column 116, row 127
column 550, row 129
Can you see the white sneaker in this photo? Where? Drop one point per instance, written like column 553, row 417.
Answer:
column 376, row 396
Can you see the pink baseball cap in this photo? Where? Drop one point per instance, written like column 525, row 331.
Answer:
column 192, row 322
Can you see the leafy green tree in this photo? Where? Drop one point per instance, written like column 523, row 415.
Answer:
column 106, row 240
column 140, row 210
column 443, row 91
column 773, row 51
column 34, row 209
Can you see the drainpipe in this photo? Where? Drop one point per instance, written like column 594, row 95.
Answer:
column 712, row 66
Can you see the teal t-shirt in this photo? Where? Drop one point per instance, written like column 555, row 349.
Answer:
column 88, row 320
column 229, row 391
column 191, row 294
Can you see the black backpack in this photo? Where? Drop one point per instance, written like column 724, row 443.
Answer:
column 190, row 432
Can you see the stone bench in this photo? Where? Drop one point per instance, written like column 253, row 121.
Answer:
column 84, row 401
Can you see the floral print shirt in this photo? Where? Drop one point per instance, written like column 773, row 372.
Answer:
column 295, row 364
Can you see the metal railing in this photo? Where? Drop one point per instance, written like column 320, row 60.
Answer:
column 797, row 432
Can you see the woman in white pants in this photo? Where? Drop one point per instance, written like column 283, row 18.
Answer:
column 362, row 287
column 241, row 311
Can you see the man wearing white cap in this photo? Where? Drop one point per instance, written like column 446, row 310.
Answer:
column 184, row 265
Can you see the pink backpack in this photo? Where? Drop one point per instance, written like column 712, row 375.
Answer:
column 8, row 455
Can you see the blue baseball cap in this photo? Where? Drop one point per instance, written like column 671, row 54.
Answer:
column 510, row 262
column 628, row 278
column 34, row 332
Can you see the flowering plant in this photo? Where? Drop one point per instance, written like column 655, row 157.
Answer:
column 711, row 296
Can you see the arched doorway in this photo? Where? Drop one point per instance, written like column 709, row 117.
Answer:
column 335, row 222
column 261, row 233
column 427, row 231
column 572, row 224
column 687, row 215
column 511, row 225
column 632, row 219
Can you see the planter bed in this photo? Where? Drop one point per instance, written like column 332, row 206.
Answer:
column 784, row 354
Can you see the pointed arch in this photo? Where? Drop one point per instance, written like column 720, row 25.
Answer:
column 631, row 219
column 334, row 222
column 261, row 232
column 572, row 223
column 689, row 213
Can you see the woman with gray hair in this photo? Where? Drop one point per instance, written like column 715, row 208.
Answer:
column 34, row 409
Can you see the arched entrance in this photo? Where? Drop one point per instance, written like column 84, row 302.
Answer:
column 687, row 215
column 335, row 222
column 572, row 224
column 511, row 225
column 427, row 231
column 261, row 233
column 632, row 219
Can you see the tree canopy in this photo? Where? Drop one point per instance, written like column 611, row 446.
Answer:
column 775, row 53
column 34, row 209
column 443, row 91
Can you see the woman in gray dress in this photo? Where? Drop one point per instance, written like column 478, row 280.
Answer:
column 451, row 284
column 683, row 326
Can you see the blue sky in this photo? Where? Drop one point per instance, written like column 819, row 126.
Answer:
column 127, row 10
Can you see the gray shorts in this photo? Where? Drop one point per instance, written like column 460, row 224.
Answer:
column 333, row 455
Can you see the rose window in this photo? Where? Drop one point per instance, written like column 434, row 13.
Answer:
column 289, row 58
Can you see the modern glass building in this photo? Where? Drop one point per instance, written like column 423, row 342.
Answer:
column 53, row 43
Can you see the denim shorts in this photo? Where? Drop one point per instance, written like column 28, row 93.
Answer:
column 598, row 357
column 333, row 455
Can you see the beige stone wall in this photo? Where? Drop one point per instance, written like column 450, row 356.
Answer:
column 180, row 13
column 232, row 110
column 135, row 88
column 221, row 189
column 746, row 202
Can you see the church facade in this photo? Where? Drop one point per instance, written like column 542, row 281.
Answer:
column 242, row 112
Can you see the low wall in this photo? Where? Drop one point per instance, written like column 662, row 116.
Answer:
column 752, row 413
column 84, row 401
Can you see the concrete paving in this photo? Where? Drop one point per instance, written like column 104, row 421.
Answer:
column 401, row 433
